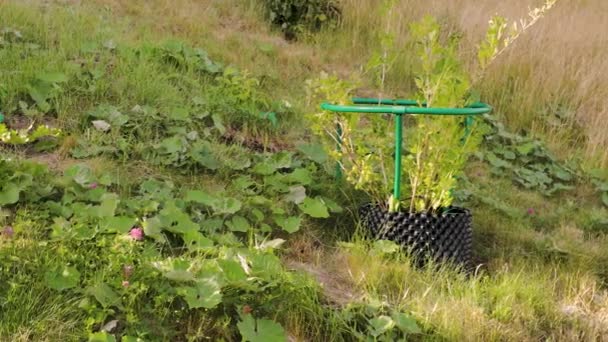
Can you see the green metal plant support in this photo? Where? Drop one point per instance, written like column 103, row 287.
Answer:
column 399, row 108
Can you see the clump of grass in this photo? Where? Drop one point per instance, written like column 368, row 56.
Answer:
column 28, row 311
column 512, row 300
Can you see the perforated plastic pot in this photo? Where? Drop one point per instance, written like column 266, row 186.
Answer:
column 444, row 237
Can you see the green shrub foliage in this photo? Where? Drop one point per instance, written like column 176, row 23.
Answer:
column 297, row 16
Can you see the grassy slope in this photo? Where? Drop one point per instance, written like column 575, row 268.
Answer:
column 543, row 274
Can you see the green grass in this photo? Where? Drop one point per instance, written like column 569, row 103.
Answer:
column 542, row 271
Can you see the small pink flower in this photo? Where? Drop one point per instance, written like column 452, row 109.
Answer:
column 93, row 186
column 125, row 283
column 531, row 211
column 137, row 234
column 8, row 231
column 127, row 271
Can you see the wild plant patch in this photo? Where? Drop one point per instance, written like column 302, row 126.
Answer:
column 186, row 249
column 527, row 161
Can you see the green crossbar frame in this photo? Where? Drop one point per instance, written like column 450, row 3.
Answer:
column 399, row 108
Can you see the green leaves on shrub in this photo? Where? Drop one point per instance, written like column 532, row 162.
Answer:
column 438, row 151
column 294, row 17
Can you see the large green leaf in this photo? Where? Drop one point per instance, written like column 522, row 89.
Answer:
column 332, row 205
column 264, row 331
column 289, row 224
column 153, row 228
column 83, row 231
column 175, row 269
column 108, row 206
column 300, row 176
column 270, row 244
column 223, row 205
column 200, row 197
column 104, row 294
column 62, row 278
column 177, row 221
column 238, row 224
column 205, row 294
column 275, row 162
column 102, row 336
column 40, row 92
column 381, row 324
column 172, row 145
column 9, row 194
column 526, row 148
column 497, row 162
column 270, row 116
column 233, row 270
column 296, row 194
column 314, row 207
column 226, row 205
column 117, row 224
column 202, row 153
column 53, row 77
column 314, row 152
column 81, row 174
column 179, row 114
column 218, row 123
column 561, row 173
column 406, row 323
column 196, row 241
column 385, row 247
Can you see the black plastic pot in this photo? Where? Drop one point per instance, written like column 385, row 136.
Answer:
column 444, row 237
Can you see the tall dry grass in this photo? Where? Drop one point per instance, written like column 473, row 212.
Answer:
column 553, row 82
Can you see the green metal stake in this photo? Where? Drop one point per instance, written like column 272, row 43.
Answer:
column 468, row 123
column 398, row 145
column 339, row 148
